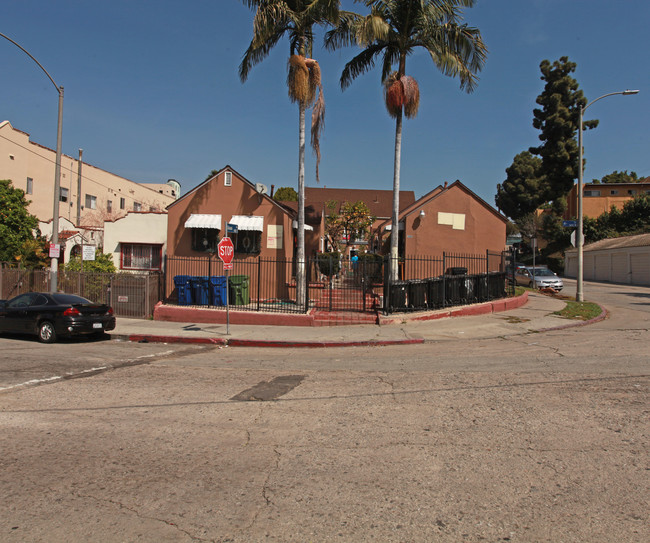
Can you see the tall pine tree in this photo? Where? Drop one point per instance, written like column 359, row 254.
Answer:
column 558, row 120
column 547, row 172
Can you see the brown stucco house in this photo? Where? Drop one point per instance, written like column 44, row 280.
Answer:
column 450, row 218
column 197, row 220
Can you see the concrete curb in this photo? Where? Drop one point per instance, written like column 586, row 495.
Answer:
column 485, row 308
column 575, row 324
column 150, row 338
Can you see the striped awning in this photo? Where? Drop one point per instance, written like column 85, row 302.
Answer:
column 248, row 222
column 389, row 227
column 307, row 227
column 204, row 221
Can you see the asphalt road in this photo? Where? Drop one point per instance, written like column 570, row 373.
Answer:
column 539, row 437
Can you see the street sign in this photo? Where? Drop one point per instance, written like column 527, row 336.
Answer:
column 55, row 250
column 231, row 228
column 570, row 224
column 89, row 252
column 226, row 252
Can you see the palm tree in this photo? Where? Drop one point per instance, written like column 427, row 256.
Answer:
column 294, row 19
column 392, row 30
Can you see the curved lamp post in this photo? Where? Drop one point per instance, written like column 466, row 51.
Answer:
column 54, row 264
column 580, row 240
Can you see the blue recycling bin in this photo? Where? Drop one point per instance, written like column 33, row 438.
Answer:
column 200, row 290
column 218, row 285
column 184, row 289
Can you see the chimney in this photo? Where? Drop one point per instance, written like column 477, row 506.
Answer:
column 272, row 190
column 446, row 183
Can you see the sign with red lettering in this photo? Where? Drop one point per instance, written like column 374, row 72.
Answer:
column 226, row 252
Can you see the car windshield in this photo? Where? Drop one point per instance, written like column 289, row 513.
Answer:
column 542, row 272
column 69, row 299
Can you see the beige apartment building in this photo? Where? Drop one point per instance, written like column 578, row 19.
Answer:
column 88, row 201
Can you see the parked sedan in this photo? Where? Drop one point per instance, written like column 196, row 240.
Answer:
column 54, row 315
column 538, row 278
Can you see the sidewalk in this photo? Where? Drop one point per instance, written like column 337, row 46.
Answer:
column 536, row 315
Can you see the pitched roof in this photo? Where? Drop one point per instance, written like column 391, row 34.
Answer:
column 239, row 176
column 380, row 202
column 435, row 193
column 640, row 240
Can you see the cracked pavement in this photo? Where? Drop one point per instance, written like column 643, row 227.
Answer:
column 535, row 437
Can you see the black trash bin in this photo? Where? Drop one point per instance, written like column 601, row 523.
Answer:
column 455, row 290
column 398, row 291
column 456, row 270
column 417, row 291
column 435, row 293
column 482, row 292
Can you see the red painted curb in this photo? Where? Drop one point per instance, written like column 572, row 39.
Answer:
column 302, row 344
column 146, row 338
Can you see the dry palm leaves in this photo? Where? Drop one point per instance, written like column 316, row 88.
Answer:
column 304, row 83
column 401, row 92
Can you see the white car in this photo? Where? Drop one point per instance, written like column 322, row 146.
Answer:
column 538, row 278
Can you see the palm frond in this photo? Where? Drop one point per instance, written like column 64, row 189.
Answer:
column 317, row 125
column 255, row 54
column 360, row 64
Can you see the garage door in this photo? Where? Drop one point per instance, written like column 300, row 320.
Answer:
column 619, row 268
column 640, row 267
column 601, row 267
column 588, row 267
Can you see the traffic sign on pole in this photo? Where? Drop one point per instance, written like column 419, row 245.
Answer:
column 226, row 251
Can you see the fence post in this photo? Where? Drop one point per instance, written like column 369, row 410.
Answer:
column 259, row 280
column 147, row 303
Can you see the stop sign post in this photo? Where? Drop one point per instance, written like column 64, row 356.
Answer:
column 226, row 252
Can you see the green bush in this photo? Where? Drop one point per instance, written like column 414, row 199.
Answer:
column 372, row 265
column 329, row 263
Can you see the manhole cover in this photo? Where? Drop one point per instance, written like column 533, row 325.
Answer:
column 269, row 390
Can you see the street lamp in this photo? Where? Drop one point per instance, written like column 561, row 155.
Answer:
column 579, row 292
column 54, row 264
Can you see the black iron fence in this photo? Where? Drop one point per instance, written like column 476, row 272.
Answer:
column 334, row 284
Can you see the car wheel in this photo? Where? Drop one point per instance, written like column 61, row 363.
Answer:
column 46, row 332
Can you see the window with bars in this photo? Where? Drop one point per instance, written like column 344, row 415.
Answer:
column 135, row 256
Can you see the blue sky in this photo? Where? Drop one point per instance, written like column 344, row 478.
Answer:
column 152, row 92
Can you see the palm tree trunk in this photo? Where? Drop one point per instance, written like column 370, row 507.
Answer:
column 394, row 234
column 301, row 282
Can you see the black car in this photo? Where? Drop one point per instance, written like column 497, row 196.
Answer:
column 52, row 315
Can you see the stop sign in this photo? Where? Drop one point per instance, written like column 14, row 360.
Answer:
column 226, row 250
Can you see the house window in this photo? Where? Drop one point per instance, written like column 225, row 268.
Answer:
column 91, row 201
column 227, row 179
column 613, row 192
column 631, row 192
column 205, row 239
column 63, row 194
column 248, row 241
column 109, row 206
column 122, row 203
column 140, row 257
column 137, row 206
column 592, row 193
column 30, row 185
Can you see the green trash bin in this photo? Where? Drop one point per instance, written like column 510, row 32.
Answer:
column 239, row 290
